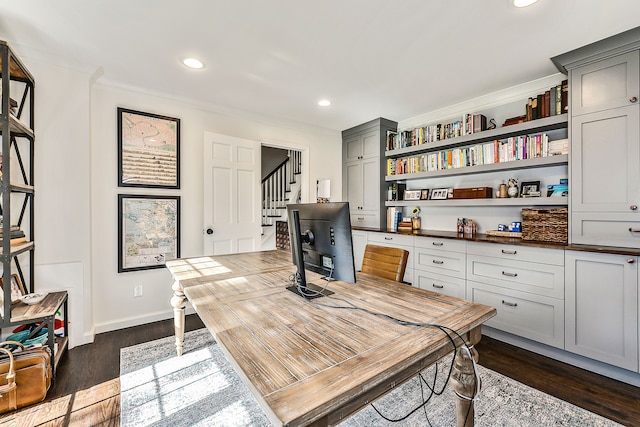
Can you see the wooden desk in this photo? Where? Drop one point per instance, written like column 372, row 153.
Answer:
column 309, row 364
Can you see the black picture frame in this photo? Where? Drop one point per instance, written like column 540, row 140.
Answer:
column 148, row 231
column 526, row 187
column 148, row 150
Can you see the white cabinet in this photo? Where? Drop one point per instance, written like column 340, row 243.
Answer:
column 525, row 285
column 359, row 241
column 602, row 307
column 439, row 265
column 363, row 173
column 401, row 241
column 604, row 123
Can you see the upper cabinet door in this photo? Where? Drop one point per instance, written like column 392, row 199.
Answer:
column 605, row 84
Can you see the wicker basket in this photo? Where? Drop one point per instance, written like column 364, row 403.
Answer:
column 545, row 225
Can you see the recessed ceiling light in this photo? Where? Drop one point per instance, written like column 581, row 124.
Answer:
column 193, row 63
column 324, row 103
column 523, row 3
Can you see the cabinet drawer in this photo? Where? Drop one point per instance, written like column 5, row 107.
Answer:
column 445, row 285
column 530, row 316
column 541, row 279
column 608, row 230
column 365, row 219
column 517, row 253
column 441, row 244
column 442, row 262
column 391, row 239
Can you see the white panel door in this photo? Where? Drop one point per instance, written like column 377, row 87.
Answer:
column 231, row 194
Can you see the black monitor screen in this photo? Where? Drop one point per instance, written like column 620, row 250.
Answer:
column 320, row 236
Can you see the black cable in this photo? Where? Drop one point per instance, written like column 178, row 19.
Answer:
column 444, row 329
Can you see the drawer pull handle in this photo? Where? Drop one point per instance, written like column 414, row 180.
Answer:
column 438, row 286
column 435, row 261
column 509, row 252
column 631, row 230
column 504, row 273
column 388, row 238
column 510, row 304
column 360, row 218
column 437, row 243
column 631, row 261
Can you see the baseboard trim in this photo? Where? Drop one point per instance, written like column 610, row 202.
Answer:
column 582, row 362
column 137, row 320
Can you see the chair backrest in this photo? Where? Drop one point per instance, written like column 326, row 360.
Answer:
column 384, row 261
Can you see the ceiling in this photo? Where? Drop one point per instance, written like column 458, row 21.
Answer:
column 277, row 58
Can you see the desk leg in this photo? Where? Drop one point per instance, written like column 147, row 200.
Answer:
column 463, row 382
column 178, row 302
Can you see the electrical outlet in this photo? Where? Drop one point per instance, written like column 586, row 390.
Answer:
column 137, row 291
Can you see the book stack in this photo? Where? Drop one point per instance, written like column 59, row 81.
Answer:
column 405, row 225
column 17, row 236
column 394, row 216
column 559, row 146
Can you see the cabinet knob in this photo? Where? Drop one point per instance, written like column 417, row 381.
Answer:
column 633, row 207
column 633, row 99
column 631, row 261
column 209, row 231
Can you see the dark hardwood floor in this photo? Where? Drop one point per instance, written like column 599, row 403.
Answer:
column 86, row 391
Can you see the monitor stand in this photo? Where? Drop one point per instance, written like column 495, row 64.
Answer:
column 315, row 291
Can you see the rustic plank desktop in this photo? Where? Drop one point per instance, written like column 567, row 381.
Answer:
column 308, row 362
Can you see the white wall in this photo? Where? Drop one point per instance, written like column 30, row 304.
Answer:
column 114, row 306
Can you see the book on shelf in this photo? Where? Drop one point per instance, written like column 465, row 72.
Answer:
column 394, row 215
column 564, row 98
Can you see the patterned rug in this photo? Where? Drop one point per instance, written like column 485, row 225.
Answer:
column 200, row 388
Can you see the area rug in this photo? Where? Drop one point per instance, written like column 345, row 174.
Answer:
column 200, row 388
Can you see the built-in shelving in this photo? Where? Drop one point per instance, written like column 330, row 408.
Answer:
column 540, row 125
column 516, row 201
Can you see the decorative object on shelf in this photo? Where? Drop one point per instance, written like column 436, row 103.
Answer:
column 17, row 288
column 148, row 150
column 412, row 194
column 148, row 231
column 467, row 226
column 530, row 189
column 502, row 192
column 473, row 193
column 512, row 191
column 396, row 190
column 507, row 233
column 424, row 195
column 439, row 194
column 416, row 222
column 558, row 190
column 34, row 298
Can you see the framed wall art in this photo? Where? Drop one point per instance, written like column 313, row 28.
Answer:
column 412, row 194
column 148, row 150
column 530, row 189
column 17, row 288
column 148, row 231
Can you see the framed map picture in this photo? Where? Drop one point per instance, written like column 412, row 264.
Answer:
column 148, row 231
column 148, row 150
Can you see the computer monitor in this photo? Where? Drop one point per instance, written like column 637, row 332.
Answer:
column 320, row 239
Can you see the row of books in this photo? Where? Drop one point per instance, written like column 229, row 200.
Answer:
column 469, row 123
column 497, row 151
column 394, row 217
column 554, row 101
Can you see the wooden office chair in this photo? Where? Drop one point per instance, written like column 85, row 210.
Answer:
column 386, row 262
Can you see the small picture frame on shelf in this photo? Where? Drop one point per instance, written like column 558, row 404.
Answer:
column 424, row 194
column 17, row 288
column 530, row 189
column 412, row 194
column 439, row 194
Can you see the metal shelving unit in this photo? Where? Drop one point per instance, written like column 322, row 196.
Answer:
column 17, row 205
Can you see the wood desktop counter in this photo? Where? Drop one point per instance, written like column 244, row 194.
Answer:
column 311, row 364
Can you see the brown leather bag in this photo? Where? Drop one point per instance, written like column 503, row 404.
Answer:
column 25, row 377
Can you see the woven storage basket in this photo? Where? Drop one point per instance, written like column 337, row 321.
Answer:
column 545, row 225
